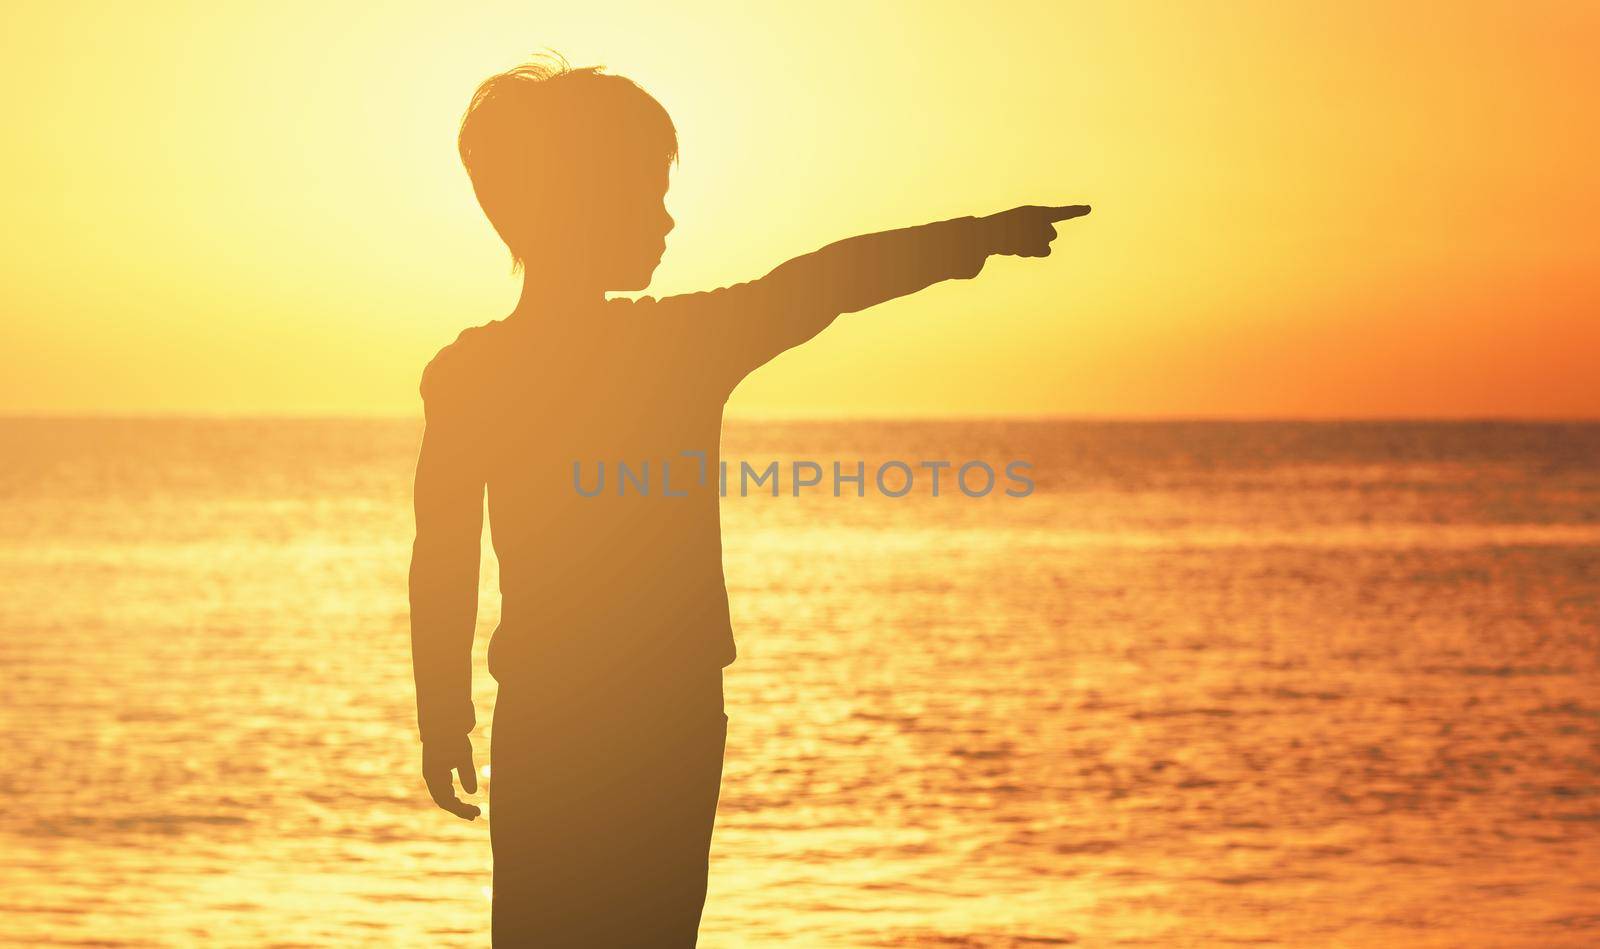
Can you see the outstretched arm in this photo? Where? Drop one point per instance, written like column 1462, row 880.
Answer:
column 798, row 299
column 444, row 606
column 859, row 272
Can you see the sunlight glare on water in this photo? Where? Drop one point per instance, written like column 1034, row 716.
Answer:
column 1288, row 683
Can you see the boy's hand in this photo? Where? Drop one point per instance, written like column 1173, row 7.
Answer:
column 440, row 758
column 1027, row 231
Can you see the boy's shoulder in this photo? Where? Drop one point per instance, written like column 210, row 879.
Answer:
column 462, row 366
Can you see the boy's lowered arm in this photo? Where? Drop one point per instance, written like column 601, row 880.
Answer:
column 444, row 605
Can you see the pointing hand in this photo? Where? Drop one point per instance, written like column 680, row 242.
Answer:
column 1027, row 231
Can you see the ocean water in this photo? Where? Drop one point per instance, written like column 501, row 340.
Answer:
column 1209, row 684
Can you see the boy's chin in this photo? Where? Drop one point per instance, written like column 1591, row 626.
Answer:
column 635, row 280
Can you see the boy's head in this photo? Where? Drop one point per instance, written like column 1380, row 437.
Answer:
column 571, row 166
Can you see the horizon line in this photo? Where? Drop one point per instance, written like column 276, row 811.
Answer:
column 796, row 418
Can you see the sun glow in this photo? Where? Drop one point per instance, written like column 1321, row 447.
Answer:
column 1300, row 209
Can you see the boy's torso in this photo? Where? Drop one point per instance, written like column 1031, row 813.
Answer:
column 600, row 450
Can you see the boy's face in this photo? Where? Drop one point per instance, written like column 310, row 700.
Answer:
column 622, row 231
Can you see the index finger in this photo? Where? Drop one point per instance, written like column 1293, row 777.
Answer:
column 1065, row 212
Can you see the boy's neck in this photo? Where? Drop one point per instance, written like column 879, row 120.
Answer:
column 543, row 297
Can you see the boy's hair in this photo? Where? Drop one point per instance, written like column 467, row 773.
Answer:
column 540, row 134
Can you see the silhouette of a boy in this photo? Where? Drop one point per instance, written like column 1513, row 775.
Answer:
column 609, row 727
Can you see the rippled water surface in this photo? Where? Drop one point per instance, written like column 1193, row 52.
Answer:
column 1210, row 684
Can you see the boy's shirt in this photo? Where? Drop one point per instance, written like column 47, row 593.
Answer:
column 543, row 409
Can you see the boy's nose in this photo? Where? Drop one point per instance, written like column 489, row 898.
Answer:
column 670, row 224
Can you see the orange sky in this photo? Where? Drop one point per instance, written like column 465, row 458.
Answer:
column 1300, row 209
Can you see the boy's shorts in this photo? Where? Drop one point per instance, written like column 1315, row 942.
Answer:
column 602, row 801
